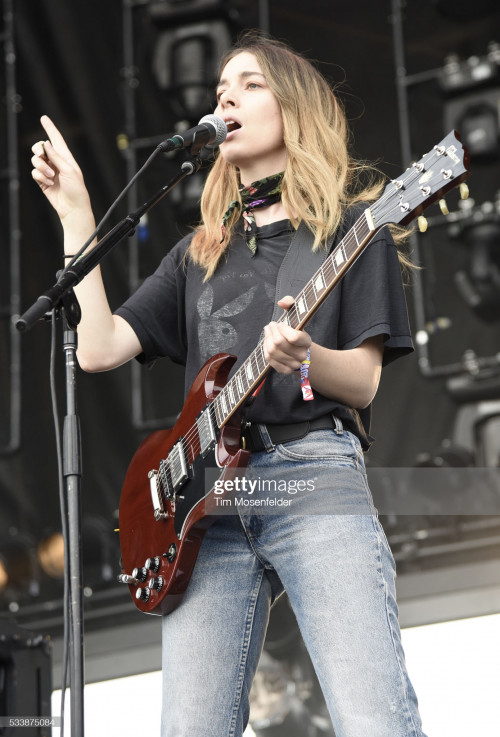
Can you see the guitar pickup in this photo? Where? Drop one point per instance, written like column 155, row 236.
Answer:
column 177, row 466
column 206, row 431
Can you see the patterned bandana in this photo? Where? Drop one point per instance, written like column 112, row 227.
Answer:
column 261, row 193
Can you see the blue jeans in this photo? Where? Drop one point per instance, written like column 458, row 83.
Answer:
column 329, row 552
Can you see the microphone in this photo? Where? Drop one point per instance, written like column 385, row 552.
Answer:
column 210, row 130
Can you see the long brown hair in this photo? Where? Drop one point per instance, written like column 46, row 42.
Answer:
column 320, row 180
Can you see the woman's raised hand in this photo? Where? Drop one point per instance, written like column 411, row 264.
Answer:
column 58, row 175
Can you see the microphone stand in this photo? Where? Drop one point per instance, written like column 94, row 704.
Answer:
column 72, row 474
column 61, row 293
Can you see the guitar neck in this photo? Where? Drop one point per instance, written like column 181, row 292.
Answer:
column 254, row 369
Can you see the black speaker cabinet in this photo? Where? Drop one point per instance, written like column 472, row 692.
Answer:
column 25, row 682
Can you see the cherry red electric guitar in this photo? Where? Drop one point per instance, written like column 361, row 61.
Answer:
column 166, row 503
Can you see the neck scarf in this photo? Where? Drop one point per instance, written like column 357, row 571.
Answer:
column 262, row 193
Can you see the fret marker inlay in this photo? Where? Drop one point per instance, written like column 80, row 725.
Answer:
column 301, row 305
column 319, row 283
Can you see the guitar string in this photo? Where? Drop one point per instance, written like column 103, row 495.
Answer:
column 307, row 292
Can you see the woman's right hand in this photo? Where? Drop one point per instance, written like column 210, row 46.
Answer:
column 58, row 175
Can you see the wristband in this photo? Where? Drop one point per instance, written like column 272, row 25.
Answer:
column 307, row 393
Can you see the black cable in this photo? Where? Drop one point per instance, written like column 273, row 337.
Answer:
column 64, row 524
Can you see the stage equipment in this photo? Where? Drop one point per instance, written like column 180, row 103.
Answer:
column 476, row 116
column 477, row 426
column 471, row 89
column 184, row 64
column 19, row 572
column 50, row 552
column 25, row 679
column 10, row 278
column 479, row 283
column 476, row 113
column 193, row 36
column 461, row 75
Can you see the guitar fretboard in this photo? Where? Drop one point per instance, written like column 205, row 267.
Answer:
column 253, row 370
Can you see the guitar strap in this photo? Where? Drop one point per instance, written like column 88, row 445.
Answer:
column 299, row 264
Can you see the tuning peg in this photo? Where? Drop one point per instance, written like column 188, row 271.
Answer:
column 464, row 191
column 444, row 207
column 422, row 224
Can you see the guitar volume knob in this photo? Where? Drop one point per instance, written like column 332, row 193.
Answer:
column 153, row 564
column 156, row 583
column 140, row 573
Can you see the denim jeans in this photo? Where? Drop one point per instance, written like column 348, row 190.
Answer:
column 329, row 552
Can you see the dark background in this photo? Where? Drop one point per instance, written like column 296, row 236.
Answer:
column 70, row 65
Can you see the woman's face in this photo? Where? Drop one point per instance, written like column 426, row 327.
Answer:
column 251, row 112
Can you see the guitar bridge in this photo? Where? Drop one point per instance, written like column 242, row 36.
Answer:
column 166, row 482
column 154, row 482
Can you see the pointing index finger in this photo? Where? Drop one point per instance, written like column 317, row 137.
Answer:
column 55, row 136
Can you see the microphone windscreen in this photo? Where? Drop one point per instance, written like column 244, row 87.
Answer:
column 220, row 128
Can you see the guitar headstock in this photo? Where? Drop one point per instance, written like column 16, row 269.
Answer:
column 444, row 167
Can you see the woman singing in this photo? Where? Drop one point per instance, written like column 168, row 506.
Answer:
column 284, row 166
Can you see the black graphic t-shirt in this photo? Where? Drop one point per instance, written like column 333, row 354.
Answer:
column 174, row 313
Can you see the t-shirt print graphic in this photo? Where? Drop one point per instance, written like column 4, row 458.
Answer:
column 215, row 333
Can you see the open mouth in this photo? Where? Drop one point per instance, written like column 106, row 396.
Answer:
column 232, row 126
